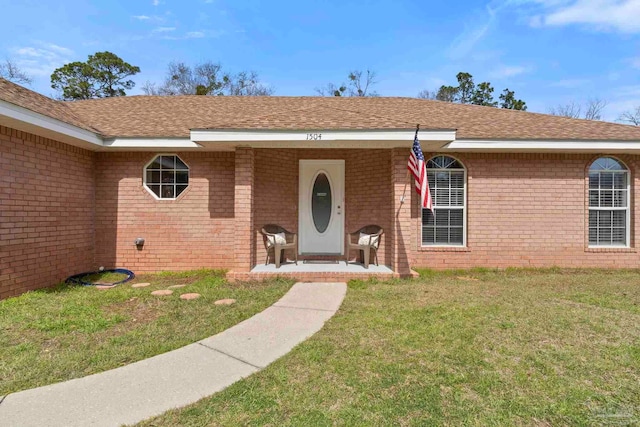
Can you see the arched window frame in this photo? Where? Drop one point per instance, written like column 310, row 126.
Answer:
column 150, row 172
column 598, row 194
column 448, row 164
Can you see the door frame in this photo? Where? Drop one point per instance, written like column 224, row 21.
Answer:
column 307, row 210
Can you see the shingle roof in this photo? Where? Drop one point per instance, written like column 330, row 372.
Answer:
column 25, row 98
column 175, row 116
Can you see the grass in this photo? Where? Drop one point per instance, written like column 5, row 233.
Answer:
column 67, row 332
column 473, row 348
column 106, row 277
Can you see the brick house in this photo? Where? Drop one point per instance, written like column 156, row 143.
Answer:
column 197, row 177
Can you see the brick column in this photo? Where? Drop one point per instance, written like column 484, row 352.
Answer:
column 402, row 228
column 244, row 245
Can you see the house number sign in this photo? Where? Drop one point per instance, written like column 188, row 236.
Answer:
column 314, row 136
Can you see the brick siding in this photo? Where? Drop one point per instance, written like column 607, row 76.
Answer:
column 46, row 211
column 194, row 231
column 66, row 210
column 528, row 210
column 367, row 191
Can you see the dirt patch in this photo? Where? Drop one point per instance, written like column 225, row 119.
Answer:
column 137, row 311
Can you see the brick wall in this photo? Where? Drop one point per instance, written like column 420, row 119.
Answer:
column 244, row 191
column 46, row 211
column 194, row 231
column 522, row 210
column 367, row 190
column 528, row 210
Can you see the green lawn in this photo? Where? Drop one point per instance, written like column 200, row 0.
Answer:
column 67, row 332
column 479, row 348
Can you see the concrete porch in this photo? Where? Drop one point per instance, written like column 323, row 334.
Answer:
column 322, row 267
column 374, row 190
column 314, row 271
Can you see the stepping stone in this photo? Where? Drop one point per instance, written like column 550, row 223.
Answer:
column 176, row 286
column 162, row 292
column 227, row 301
column 189, row 296
column 104, row 287
column 140, row 285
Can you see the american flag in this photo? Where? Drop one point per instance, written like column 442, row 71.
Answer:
column 419, row 171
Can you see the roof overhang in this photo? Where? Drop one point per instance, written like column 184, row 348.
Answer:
column 25, row 120
column 542, row 146
column 319, row 138
column 147, row 144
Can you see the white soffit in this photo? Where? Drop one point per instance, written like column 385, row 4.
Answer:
column 150, row 143
column 542, row 146
column 319, row 138
column 26, row 120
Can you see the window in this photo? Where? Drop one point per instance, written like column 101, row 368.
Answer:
column 608, row 203
column 166, row 176
column 447, row 183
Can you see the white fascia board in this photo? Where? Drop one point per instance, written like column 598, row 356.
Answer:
column 244, row 137
column 33, row 119
column 542, row 146
column 151, row 143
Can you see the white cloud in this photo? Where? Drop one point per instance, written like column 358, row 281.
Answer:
column 570, row 83
column 508, row 71
column 469, row 38
column 141, row 17
column 635, row 62
column 155, row 2
column 59, row 49
column 195, row 34
column 599, row 15
column 42, row 58
column 164, row 29
column 625, row 98
column 613, row 76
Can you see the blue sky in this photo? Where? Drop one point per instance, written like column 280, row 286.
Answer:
column 548, row 51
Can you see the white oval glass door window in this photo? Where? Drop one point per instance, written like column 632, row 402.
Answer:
column 321, row 203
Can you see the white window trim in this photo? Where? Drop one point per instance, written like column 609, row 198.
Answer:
column 599, row 208
column 144, row 177
column 464, row 208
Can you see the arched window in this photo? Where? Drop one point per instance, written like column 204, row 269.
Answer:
column 166, row 176
column 446, row 226
column 609, row 211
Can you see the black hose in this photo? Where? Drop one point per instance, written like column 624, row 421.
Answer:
column 77, row 278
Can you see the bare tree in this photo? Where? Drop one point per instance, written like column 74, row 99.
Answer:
column 331, row 90
column 10, row 71
column 206, row 79
column 632, row 117
column 247, row 83
column 571, row 109
column 593, row 109
column 182, row 79
column 427, row 94
column 150, row 88
column 358, row 84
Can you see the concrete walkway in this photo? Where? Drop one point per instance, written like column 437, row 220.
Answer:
column 150, row 387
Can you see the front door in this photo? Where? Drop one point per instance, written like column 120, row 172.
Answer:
column 321, row 210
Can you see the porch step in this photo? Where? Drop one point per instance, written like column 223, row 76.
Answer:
column 329, row 277
column 321, row 261
column 314, row 272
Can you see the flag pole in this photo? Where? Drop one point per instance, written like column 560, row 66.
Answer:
column 409, row 173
